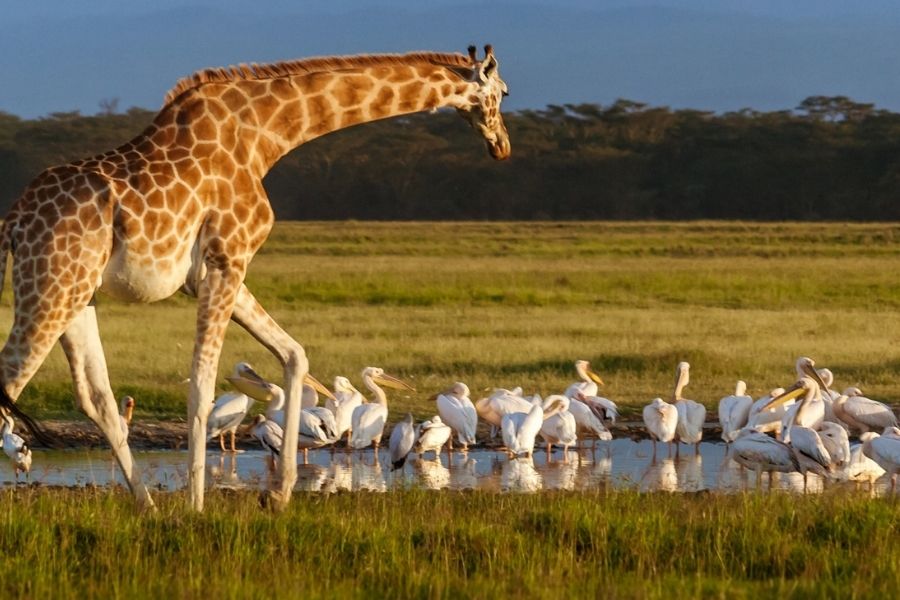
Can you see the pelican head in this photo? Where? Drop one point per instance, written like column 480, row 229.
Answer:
column 318, row 386
column 342, row 384
column 682, row 378
column 555, row 403
column 127, row 406
column 247, row 381
column 850, row 392
column 806, row 367
column 583, row 368
column 379, row 377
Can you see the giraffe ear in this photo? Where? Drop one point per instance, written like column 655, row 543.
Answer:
column 489, row 65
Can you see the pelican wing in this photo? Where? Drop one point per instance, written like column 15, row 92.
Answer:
column 270, row 435
column 329, row 424
column 508, row 404
column 587, row 420
column 433, row 436
column 403, row 438
column 368, row 424
column 509, row 429
column 734, row 411
column 227, row 413
column 755, row 449
column 886, row 452
column 870, row 412
column 807, row 442
column 460, row 415
column 604, row 408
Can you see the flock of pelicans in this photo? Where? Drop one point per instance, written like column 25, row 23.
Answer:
column 804, row 428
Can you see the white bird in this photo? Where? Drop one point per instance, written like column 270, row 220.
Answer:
column 660, row 419
column 433, row 434
column 836, row 441
column 520, row 429
column 761, row 453
column 368, row 420
column 734, row 411
column 861, row 413
column 691, row 415
column 559, row 428
column 829, row 395
column 767, row 421
column 230, row 408
column 269, row 434
column 457, row 411
column 127, row 411
column 884, row 449
column 604, row 408
column 403, row 438
column 810, row 412
column 587, row 421
column 346, row 399
column 15, row 447
column 861, row 467
column 588, row 383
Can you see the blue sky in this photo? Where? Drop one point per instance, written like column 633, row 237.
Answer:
column 707, row 54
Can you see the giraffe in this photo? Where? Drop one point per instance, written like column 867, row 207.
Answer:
column 182, row 207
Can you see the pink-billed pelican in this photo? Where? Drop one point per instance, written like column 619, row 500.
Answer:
column 458, row 412
column 368, row 420
column 734, row 411
column 433, row 434
column 403, row 438
column 691, row 415
column 345, row 400
column 884, row 449
column 15, row 448
column 861, row 413
column 559, row 428
column 589, row 381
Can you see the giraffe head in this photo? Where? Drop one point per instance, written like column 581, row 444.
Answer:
column 483, row 114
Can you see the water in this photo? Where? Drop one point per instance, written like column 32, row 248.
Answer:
column 621, row 463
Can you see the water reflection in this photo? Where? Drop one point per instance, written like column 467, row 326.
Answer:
column 621, row 463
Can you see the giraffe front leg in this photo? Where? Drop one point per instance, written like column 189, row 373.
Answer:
column 94, row 395
column 215, row 302
column 250, row 315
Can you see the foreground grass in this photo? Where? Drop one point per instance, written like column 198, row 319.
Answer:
column 87, row 544
column 506, row 304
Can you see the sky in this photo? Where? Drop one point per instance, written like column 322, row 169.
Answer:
column 715, row 55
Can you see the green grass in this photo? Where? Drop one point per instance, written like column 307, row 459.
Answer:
column 505, row 304
column 91, row 544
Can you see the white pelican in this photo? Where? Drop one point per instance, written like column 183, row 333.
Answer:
column 433, row 434
column 127, row 411
column 862, row 413
column 836, row 441
column 403, row 438
column 604, row 408
column 457, row 411
column 487, row 407
column 884, row 450
column 367, row 421
column 811, row 411
column 269, row 434
column 760, row 453
column 519, row 429
column 829, row 395
column 588, row 422
column 661, row 419
column 588, row 383
column 861, row 467
column 346, row 399
column 734, row 411
column 15, row 447
column 230, row 408
column 766, row 421
column 691, row 415
column 559, row 427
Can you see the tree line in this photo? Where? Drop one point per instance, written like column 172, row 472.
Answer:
column 830, row 158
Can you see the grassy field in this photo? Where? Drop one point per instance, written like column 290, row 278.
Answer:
column 450, row 545
column 505, row 304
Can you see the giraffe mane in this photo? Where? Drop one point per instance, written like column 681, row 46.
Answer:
column 303, row 66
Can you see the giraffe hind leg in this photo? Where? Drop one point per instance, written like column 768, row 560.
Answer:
column 94, row 395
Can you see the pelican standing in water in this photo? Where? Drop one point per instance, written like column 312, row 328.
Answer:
column 589, row 381
column 230, row 408
column 734, row 411
column 270, row 435
column 587, row 421
column 520, row 429
column 368, row 420
column 458, row 412
column 15, row 448
column 127, row 411
column 660, row 419
column 433, row 434
column 767, row 421
column 691, row 415
column 861, row 413
column 559, row 428
column 345, row 400
column 403, row 438
column 809, row 412
column 761, row 453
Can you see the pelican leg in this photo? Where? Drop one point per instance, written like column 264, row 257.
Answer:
column 94, row 395
column 222, row 441
column 233, row 446
column 251, row 316
column 306, row 456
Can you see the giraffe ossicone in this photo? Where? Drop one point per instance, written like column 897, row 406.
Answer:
column 182, row 207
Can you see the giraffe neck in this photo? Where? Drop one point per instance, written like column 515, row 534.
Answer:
column 270, row 117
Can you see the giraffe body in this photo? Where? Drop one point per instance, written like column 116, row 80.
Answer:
column 182, row 206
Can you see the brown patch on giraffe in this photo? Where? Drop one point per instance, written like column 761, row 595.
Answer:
column 351, row 117
column 228, row 137
column 282, row 89
column 314, row 82
column 446, row 90
column 381, row 107
column 234, row 99
column 164, row 136
column 409, row 95
column 320, row 116
column 156, row 199
column 350, row 90
column 265, row 108
column 400, row 74
column 287, row 118
column 205, row 129
column 184, row 138
column 433, row 99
